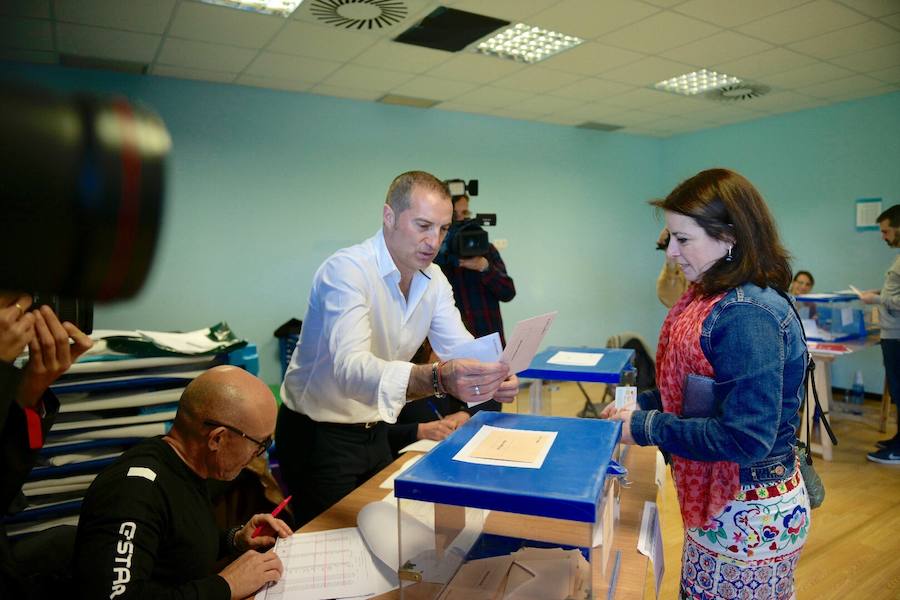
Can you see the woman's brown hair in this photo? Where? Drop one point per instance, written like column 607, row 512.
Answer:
column 729, row 208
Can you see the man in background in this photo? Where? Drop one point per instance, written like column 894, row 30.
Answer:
column 888, row 301
column 480, row 284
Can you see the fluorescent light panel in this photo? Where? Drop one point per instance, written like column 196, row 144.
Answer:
column 691, row 84
column 281, row 8
column 526, row 43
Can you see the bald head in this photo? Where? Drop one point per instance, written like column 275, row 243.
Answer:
column 228, row 395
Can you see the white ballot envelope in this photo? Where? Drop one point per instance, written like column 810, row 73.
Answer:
column 524, row 342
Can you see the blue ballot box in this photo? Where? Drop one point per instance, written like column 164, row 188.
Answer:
column 483, row 510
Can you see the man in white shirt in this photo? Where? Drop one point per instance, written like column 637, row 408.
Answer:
column 370, row 308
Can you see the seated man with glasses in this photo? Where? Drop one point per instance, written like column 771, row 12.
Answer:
column 147, row 529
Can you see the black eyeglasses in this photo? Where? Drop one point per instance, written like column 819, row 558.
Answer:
column 263, row 445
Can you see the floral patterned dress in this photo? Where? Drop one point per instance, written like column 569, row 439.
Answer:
column 740, row 542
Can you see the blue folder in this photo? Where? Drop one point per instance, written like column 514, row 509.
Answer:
column 569, row 485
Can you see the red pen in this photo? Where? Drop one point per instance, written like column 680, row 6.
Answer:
column 275, row 512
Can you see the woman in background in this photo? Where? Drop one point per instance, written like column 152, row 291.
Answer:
column 802, row 283
column 730, row 368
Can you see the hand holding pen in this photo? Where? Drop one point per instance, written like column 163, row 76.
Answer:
column 261, row 529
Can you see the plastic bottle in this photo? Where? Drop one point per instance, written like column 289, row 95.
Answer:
column 858, row 391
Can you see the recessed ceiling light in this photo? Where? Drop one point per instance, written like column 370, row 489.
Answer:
column 281, row 8
column 526, row 43
column 691, row 84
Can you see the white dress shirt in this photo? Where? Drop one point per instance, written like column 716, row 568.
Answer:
column 351, row 363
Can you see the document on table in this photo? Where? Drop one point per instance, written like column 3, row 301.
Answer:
column 503, row 447
column 325, row 565
column 575, row 359
column 650, row 542
column 420, row 446
column 524, row 341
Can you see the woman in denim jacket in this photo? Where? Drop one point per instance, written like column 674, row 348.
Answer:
column 730, row 369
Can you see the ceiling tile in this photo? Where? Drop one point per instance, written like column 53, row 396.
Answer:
column 317, row 41
column 40, row 57
column 680, row 105
column 342, row 92
column 106, row 43
column 874, row 8
column 893, row 21
column 871, row 60
column 809, row 75
column 889, row 75
column 366, row 78
column 639, row 98
column 201, row 55
column 38, row 9
column 648, row 71
column 475, row 68
column 290, row 85
column 401, row 57
column 768, row 62
column 840, row 87
column 660, row 32
column 509, row 10
column 635, row 117
column 537, row 79
column 544, row 104
column 492, row 97
column 221, row 25
column 592, row 89
column 849, row 40
column 198, row 74
column 564, row 120
column 433, row 88
column 568, row 16
column 664, row 3
column 717, row 48
column 888, row 89
column 803, row 22
column 591, row 58
column 593, row 111
column 466, row 108
column 148, row 16
column 282, row 66
column 730, row 13
column 25, row 34
column 516, row 113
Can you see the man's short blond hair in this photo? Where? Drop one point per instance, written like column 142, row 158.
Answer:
column 400, row 192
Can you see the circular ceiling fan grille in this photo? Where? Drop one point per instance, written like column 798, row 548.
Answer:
column 737, row 92
column 359, row 14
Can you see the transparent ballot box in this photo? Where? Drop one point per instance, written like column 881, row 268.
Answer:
column 832, row 317
column 510, row 506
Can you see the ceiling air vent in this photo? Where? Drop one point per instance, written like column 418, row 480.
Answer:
column 599, row 126
column 737, row 92
column 359, row 14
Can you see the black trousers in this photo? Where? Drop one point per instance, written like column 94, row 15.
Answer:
column 323, row 462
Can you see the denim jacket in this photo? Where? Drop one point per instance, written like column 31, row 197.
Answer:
column 755, row 344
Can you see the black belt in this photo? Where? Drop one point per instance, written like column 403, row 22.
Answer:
column 369, row 425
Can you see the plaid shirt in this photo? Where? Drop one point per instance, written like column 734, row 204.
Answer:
column 478, row 295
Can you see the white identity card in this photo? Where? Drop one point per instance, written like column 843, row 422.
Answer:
column 625, row 395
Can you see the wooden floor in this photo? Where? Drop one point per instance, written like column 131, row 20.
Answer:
column 853, row 551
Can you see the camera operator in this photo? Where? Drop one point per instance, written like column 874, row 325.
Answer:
column 27, row 410
column 480, row 284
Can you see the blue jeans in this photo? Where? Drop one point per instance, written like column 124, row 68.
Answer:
column 890, row 349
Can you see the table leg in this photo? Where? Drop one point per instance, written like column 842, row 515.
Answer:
column 823, row 388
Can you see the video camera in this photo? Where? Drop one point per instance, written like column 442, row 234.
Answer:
column 81, row 195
